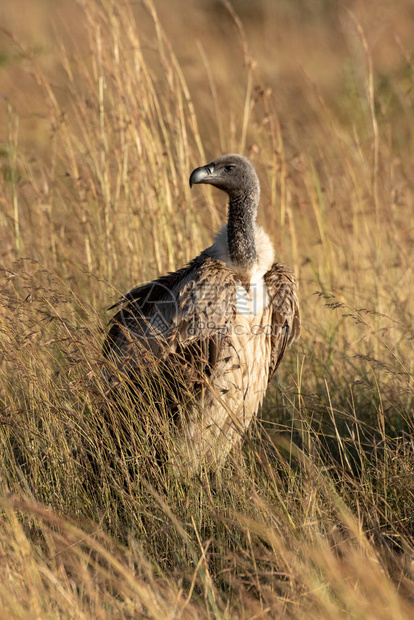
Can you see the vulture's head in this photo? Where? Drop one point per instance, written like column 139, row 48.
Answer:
column 234, row 174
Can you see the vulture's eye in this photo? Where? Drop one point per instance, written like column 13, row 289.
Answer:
column 230, row 167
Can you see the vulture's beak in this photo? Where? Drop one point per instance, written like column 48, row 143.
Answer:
column 200, row 174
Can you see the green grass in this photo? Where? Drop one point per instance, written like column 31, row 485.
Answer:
column 313, row 516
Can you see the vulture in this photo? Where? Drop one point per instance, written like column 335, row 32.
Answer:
column 222, row 324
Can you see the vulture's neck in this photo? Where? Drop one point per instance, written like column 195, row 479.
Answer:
column 241, row 230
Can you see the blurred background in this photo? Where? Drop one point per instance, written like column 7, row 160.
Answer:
column 304, row 49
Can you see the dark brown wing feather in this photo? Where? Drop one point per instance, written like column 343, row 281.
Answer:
column 137, row 306
column 282, row 289
column 194, row 305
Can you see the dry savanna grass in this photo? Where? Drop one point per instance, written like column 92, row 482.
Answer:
column 106, row 108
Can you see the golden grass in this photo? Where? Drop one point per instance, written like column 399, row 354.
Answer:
column 314, row 517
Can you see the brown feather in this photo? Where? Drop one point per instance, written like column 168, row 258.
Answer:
column 282, row 290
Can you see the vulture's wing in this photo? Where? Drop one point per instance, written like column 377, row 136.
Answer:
column 282, row 290
column 185, row 314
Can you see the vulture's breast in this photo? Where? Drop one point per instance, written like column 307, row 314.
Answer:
column 251, row 339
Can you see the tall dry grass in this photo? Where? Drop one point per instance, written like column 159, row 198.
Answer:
column 314, row 517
